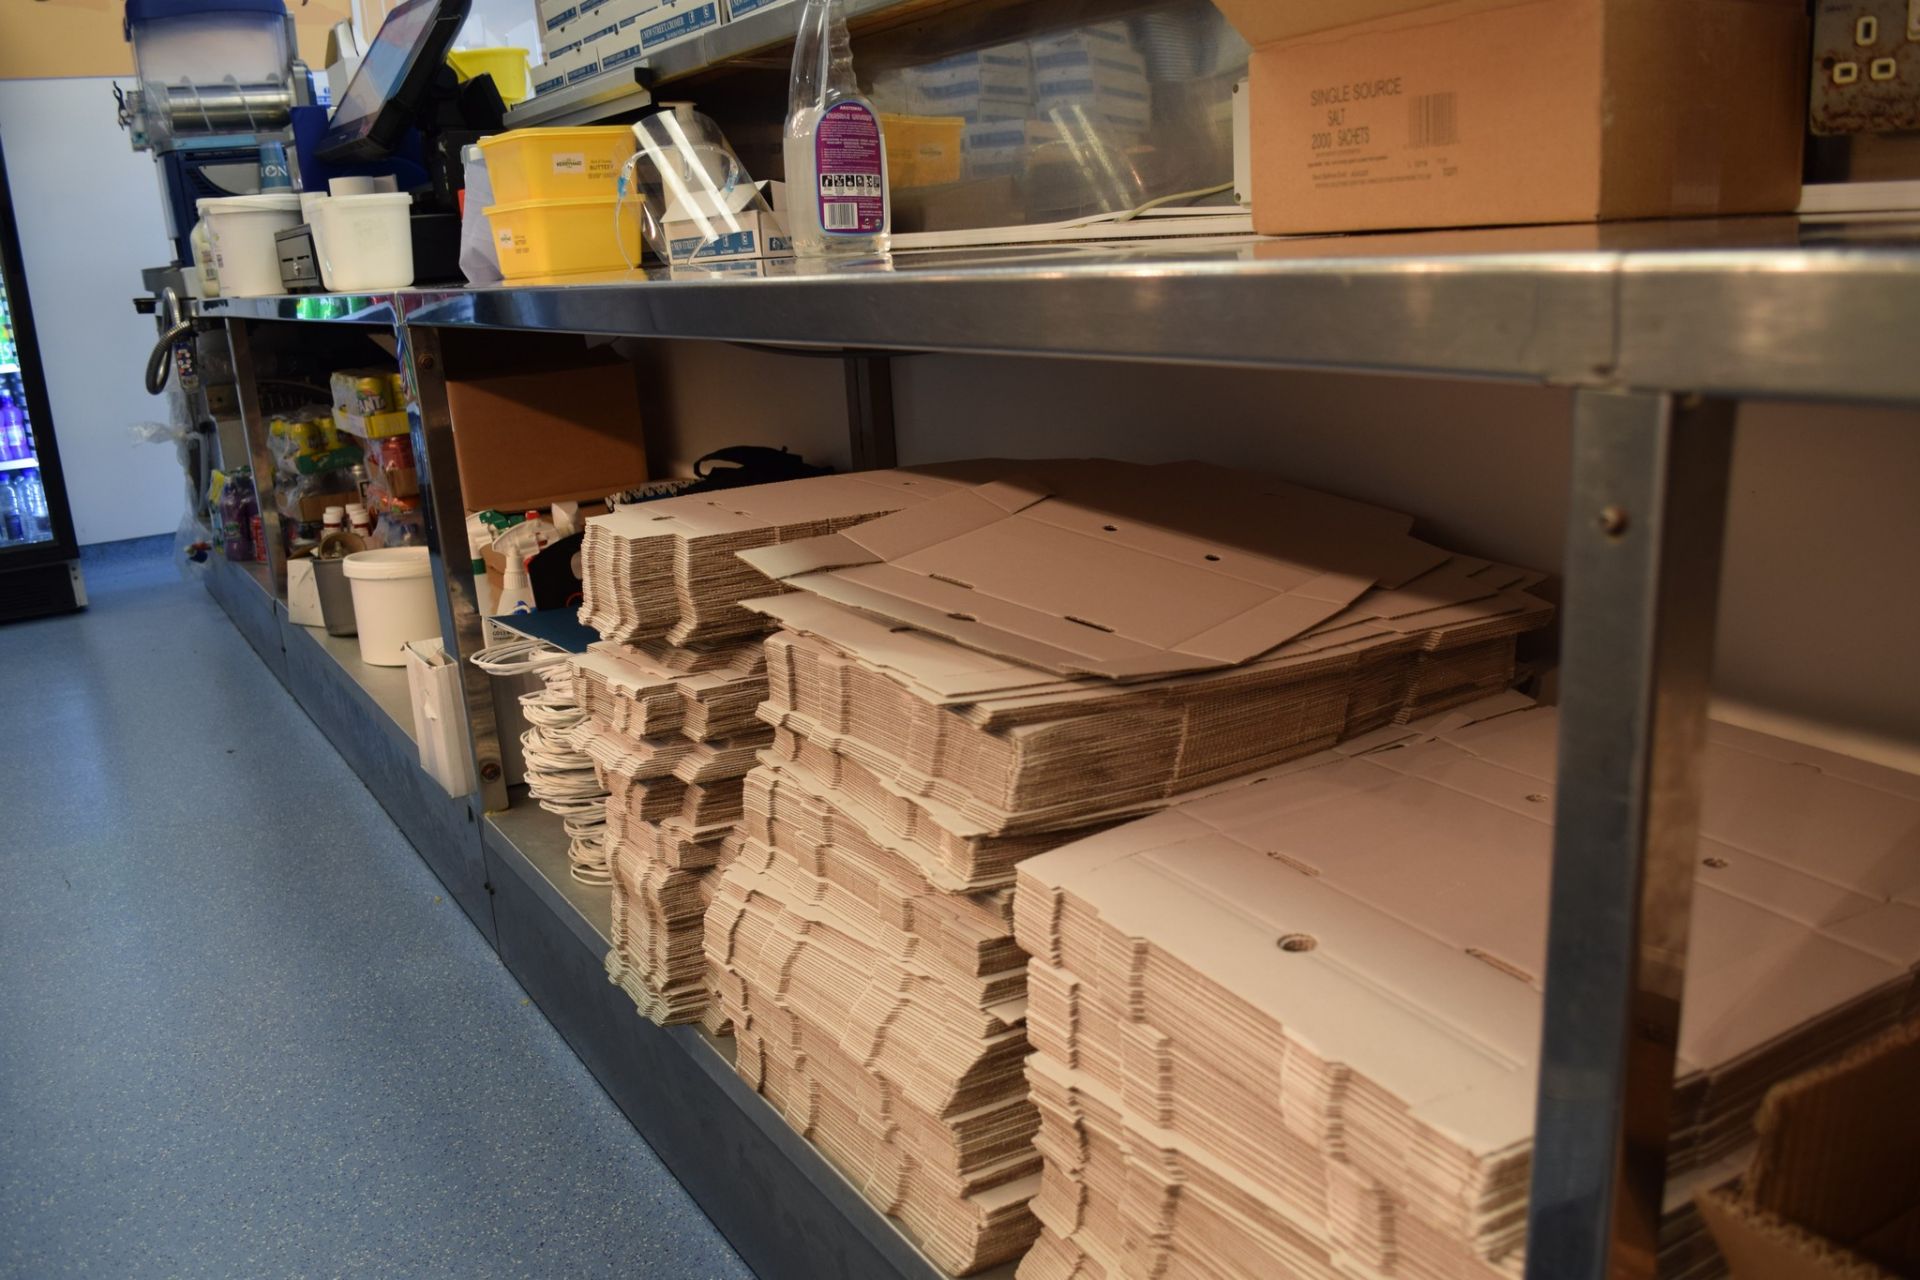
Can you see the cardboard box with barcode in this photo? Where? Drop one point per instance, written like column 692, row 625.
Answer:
column 1292, row 1027
column 703, row 226
column 1371, row 114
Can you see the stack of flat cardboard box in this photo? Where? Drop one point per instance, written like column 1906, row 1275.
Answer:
column 671, row 697
column 668, row 570
column 1292, row 1027
column 671, row 733
column 991, row 674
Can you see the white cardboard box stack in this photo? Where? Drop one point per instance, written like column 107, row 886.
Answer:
column 984, row 676
column 1291, row 1028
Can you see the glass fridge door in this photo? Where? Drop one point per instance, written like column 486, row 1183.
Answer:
column 34, row 521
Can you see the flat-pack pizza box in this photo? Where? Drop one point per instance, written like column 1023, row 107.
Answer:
column 1315, row 998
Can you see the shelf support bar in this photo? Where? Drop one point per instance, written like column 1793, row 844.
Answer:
column 253, row 425
column 446, row 511
column 1644, row 538
column 870, row 411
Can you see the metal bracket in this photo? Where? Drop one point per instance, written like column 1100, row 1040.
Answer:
column 870, row 411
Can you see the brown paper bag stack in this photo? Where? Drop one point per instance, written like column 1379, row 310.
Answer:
column 1291, row 1027
column 671, row 732
column 860, row 941
column 881, row 1016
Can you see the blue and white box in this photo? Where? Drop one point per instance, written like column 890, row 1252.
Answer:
column 726, row 230
column 672, row 21
column 995, row 148
column 1092, row 78
column 990, row 84
column 738, row 9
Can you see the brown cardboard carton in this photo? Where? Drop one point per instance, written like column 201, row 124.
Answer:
column 310, row 507
column 1833, row 1190
column 1411, row 113
column 670, row 734
column 525, row 440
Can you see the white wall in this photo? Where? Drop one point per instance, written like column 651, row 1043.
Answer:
column 90, row 219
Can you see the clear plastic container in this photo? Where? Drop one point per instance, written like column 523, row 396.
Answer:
column 204, row 47
column 172, row 45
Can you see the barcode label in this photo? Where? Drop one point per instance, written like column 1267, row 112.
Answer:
column 1433, row 120
column 840, row 215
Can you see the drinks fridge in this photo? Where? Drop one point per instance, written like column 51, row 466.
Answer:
column 39, row 560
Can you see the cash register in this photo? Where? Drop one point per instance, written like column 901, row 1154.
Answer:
column 404, row 116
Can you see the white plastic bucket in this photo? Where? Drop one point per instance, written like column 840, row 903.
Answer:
column 241, row 231
column 393, row 602
column 364, row 241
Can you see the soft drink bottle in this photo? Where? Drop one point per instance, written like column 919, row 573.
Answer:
column 12, row 527
column 13, row 430
column 37, row 518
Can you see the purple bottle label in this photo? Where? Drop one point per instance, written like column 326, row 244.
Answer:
column 847, row 155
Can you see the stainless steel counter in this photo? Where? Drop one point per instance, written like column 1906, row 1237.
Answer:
column 1753, row 306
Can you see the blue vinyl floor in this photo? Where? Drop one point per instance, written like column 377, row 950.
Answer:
column 243, row 1031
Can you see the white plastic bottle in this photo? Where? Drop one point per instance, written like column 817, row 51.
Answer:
column 837, row 198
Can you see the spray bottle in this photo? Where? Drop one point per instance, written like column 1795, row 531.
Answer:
column 837, row 200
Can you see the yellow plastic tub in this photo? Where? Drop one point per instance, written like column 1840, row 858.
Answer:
column 563, row 237
column 557, row 164
column 508, row 67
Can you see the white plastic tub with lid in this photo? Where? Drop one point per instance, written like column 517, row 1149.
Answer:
column 241, row 230
column 393, row 602
column 363, row 241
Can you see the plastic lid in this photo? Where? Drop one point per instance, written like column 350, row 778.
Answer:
column 369, row 197
column 389, row 563
column 271, row 202
column 150, row 10
column 566, row 202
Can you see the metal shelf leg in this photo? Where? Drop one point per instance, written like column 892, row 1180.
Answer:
column 870, row 412
column 253, row 421
column 1642, row 584
column 445, row 507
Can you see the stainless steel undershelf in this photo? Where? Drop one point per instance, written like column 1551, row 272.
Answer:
column 678, row 1084
column 338, row 308
column 387, row 686
column 1739, row 307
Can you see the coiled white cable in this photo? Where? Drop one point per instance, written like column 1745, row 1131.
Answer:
column 561, row 779
column 518, row 656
